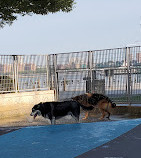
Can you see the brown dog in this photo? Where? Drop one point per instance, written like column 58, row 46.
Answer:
column 101, row 101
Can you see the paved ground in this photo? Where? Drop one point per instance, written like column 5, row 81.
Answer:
column 4, row 130
column 125, row 146
column 99, row 132
column 64, row 141
column 9, row 125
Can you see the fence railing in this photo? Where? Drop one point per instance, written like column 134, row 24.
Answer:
column 23, row 73
column 114, row 72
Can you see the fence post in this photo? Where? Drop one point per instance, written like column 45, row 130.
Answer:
column 15, row 73
column 56, row 78
column 90, row 62
column 129, row 74
column 47, row 69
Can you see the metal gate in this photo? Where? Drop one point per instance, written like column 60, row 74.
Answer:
column 113, row 72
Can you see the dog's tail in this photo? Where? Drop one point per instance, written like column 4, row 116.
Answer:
column 110, row 101
column 113, row 105
column 86, row 107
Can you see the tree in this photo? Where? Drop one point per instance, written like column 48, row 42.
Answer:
column 9, row 9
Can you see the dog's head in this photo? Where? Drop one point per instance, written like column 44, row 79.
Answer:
column 36, row 110
column 76, row 98
column 82, row 99
column 113, row 105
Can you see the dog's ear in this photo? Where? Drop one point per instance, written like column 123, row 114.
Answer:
column 38, row 105
column 89, row 94
column 74, row 98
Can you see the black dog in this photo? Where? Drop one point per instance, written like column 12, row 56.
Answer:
column 56, row 110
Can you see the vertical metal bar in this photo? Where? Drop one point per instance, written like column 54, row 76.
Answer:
column 56, row 78
column 89, row 75
column 15, row 73
column 51, row 70
column 91, row 66
column 128, row 74
column 90, row 71
column 47, row 69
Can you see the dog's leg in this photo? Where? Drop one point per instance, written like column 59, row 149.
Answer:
column 86, row 115
column 76, row 118
column 107, row 110
column 108, row 115
column 53, row 122
column 103, row 114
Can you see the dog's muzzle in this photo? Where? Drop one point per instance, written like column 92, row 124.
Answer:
column 35, row 113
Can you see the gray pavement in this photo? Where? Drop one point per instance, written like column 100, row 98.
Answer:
column 4, row 130
column 124, row 146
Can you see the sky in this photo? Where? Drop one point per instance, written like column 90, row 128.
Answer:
column 91, row 25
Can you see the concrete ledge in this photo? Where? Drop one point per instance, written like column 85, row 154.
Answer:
column 130, row 110
column 122, row 110
column 17, row 104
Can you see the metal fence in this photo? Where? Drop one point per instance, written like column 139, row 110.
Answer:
column 113, row 72
column 23, row 73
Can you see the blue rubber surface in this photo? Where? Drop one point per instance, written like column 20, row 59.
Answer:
column 61, row 141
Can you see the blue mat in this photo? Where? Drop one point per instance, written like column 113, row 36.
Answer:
column 61, row 141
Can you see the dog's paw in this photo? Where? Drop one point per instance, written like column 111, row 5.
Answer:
column 108, row 118
column 84, row 118
column 101, row 118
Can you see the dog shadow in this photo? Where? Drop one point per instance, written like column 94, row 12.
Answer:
column 61, row 128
